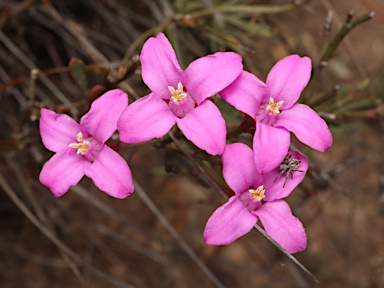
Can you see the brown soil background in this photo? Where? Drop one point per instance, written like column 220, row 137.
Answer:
column 123, row 242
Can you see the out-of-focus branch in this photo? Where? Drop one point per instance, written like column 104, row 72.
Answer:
column 329, row 50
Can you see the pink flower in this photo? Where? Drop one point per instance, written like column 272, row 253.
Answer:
column 81, row 149
column 179, row 97
column 257, row 197
column 273, row 107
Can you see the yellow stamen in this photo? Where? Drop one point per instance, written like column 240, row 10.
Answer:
column 83, row 145
column 177, row 95
column 258, row 194
column 273, row 107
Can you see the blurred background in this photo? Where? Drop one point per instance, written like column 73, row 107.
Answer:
column 62, row 54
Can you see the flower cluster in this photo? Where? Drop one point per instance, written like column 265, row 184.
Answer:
column 260, row 177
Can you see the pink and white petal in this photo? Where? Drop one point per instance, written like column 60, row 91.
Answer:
column 57, row 130
column 282, row 226
column 63, row 170
column 228, row 223
column 159, row 66
column 270, row 145
column 274, row 182
column 307, row 125
column 288, row 78
column 239, row 169
column 111, row 173
column 145, row 119
column 101, row 119
column 209, row 75
column 245, row 93
column 205, row 127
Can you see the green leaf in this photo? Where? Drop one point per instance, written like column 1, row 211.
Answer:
column 77, row 71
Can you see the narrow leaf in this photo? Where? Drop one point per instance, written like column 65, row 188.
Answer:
column 77, row 71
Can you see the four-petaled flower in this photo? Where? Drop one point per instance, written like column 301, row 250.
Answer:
column 273, row 107
column 180, row 97
column 81, row 149
column 256, row 197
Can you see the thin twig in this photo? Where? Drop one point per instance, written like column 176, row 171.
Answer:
column 293, row 259
column 92, row 199
column 20, row 251
column 28, row 63
column 211, row 179
column 350, row 47
column 248, row 9
column 141, row 39
column 24, row 209
column 330, row 49
column 10, row 160
column 344, row 30
column 151, row 205
column 76, row 31
column 151, row 254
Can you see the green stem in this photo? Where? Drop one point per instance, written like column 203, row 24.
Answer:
column 347, row 27
column 324, row 98
column 249, row 9
column 358, row 106
column 344, row 30
column 142, row 38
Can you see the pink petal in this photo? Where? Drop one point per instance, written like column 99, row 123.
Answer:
column 205, row 127
column 228, row 223
column 57, row 130
column 209, row 75
column 160, row 67
column 111, row 174
column 145, row 119
column 63, row 170
column 288, row 78
column 245, row 93
column 239, row 169
column 101, row 120
column 282, row 226
column 275, row 188
column 307, row 125
column 270, row 145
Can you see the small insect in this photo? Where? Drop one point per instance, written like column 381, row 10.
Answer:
column 287, row 167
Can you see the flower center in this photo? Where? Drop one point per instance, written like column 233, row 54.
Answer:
column 82, row 146
column 272, row 107
column 181, row 102
column 177, row 95
column 252, row 198
column 258, row 194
